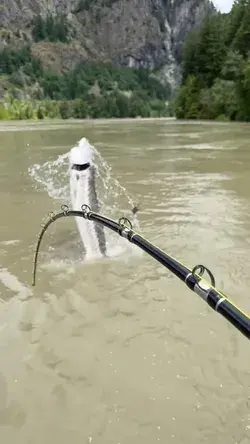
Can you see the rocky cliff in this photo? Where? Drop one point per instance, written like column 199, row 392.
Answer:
column 147, row 33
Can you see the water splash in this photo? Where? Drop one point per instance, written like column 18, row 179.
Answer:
column 53, row 176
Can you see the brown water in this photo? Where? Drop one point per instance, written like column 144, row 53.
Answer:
column 120, row 351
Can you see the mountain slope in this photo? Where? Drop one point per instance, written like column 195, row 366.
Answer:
column 133, row 33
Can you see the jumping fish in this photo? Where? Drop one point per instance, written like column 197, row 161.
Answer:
column 83, row 191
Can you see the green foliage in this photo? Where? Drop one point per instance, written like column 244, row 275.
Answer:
column 12, row 60
column 4, row 114
column 232, row 66
column 244, row 93
column 222, row 118
column 187, row 103
column 65, row 109
column 216, row 69
column 205, row 51
column 51, row 28
column 89, row 90
column 79, row 109
column 107, row 78
column 116, row 105
column 14, row 109
column 190, row 55
column 223, row 98
column 241, row 40
column 234, row 22
column 20, row 110
column 18, row 78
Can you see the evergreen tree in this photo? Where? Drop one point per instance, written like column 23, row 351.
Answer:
column 244, row 93
column 216, row 69
column 241, row 40
column 52, row 28
column 39, row 30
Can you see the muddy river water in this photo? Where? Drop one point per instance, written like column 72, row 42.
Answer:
column 120, row 351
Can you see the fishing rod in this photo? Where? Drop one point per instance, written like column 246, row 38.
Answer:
column 193, row 278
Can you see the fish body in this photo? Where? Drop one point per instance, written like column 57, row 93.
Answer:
column 83, row 192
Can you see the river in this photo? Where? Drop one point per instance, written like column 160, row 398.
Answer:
column 120, row 351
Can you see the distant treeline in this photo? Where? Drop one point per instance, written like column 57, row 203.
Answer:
column 114, row 106
column 216, row 68
column 89, row 90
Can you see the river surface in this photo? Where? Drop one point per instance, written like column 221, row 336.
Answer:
column 120, row 351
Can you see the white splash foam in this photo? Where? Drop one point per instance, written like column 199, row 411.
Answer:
column 53, row 177
column 81, row 153
column 11, row 282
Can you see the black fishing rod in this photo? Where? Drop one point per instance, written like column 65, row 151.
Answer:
column 192, row 278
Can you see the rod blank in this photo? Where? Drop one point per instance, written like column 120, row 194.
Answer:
column 195, row 281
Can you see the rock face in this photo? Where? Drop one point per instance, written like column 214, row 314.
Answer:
column 146, row 33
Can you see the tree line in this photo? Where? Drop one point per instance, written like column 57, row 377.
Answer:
column 216, row 68
column 89, row 90
column 115, row 106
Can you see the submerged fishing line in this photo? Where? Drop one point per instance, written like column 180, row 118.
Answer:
column 192, row 278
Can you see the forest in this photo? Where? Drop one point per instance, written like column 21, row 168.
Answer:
column 87, row 91
column 216, row 68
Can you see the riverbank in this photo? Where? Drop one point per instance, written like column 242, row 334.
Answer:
column 23, row 125
column 58, row 124
column 117, row 105
column 29, row 91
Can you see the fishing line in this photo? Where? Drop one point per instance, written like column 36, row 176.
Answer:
column 193, row 278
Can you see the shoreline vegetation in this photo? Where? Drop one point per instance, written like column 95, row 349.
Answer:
column 215, row 78
column 87, row 91
column 14, row 109
column 71, row 120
